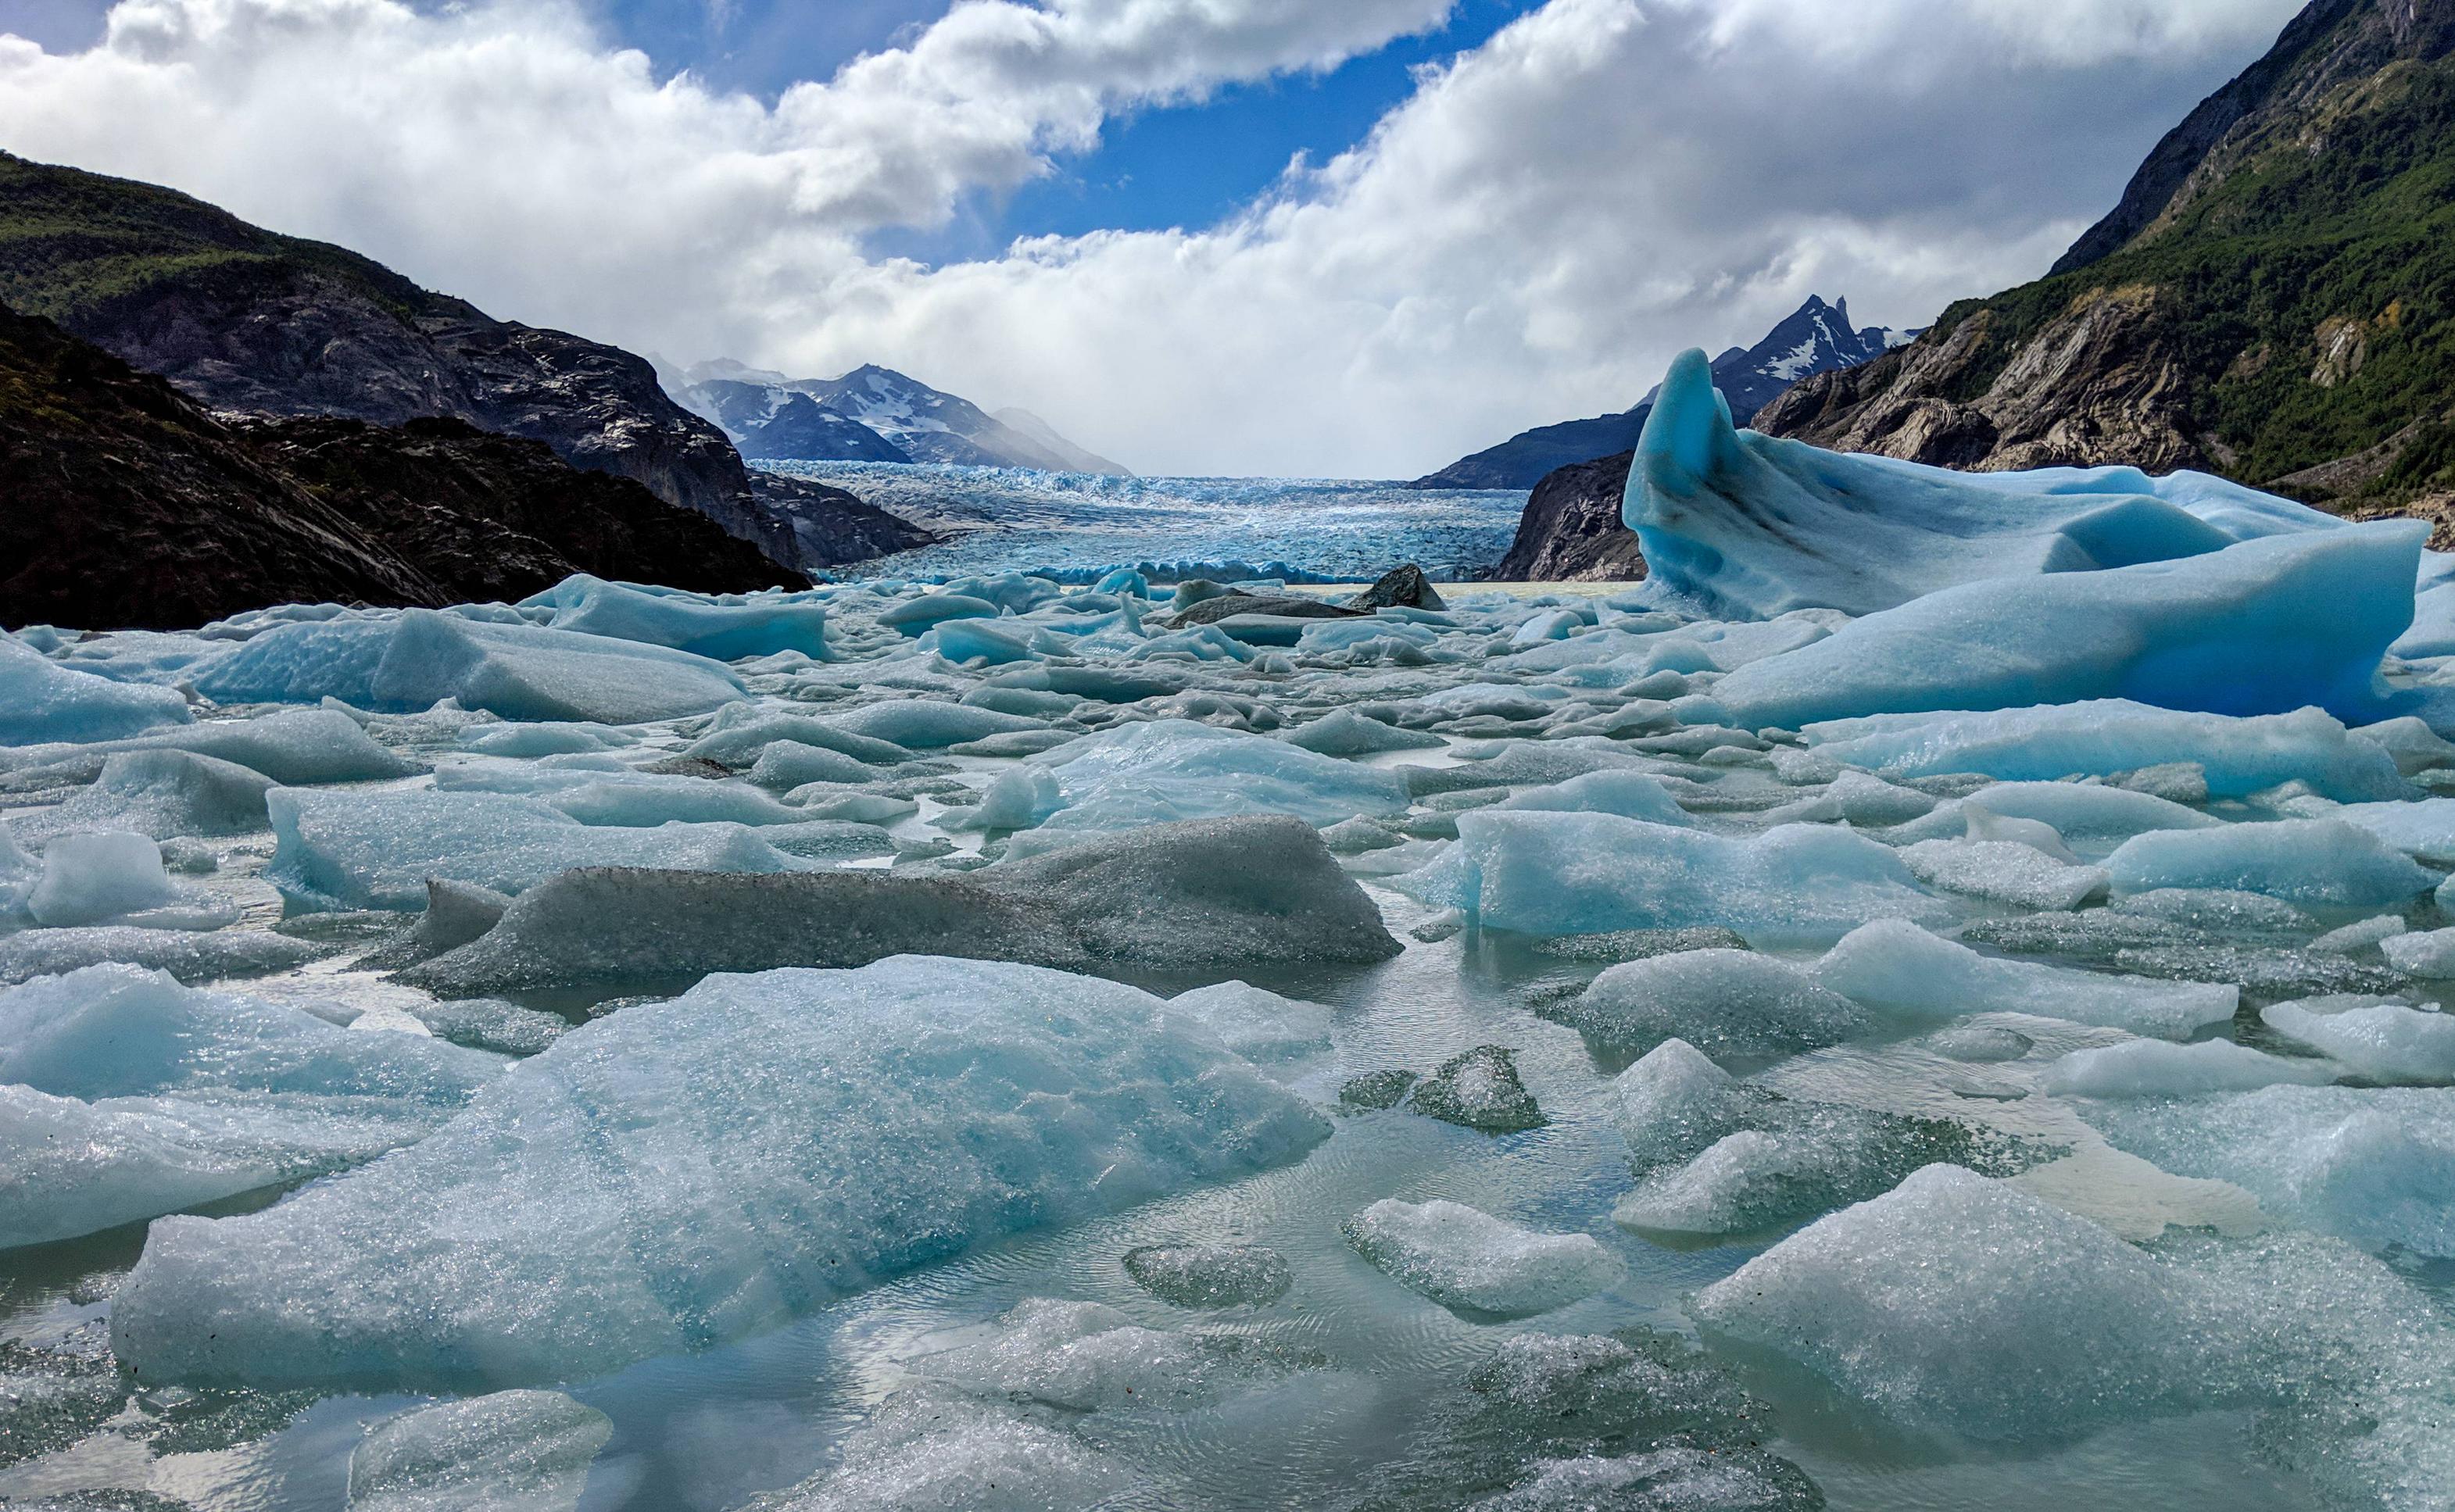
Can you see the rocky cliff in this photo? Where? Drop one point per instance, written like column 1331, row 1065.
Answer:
column 1572, row 527
column 241, row 318
column 2273, row 297
column 124, row 503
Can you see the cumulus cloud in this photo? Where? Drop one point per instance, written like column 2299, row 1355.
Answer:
column 1529, row 235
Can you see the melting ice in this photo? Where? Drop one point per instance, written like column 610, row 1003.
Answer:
column 1933, row 999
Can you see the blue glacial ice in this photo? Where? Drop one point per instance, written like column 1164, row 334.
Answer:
column 682, row 1172
column 727, row 629
column 355, row 850
column 1746, row 526
column 2324, row 862
column 41, row 700
column 2267, row 626
column 510, row 1451
column 1465, row 1259
column 2105, row 737
column 124, row 1096
column 1539, row 873
column 419, row 657
column 1174, row 769
column 1896, row 967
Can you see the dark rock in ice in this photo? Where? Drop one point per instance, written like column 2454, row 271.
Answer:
column 688, row 766
column 1290, row 606
column 1209, row 1275
column 1377, row 1090
column 1399, row 588
column 1479, row 1090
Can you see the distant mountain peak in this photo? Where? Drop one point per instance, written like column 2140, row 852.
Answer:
column 1816, row 337
column 873, row 413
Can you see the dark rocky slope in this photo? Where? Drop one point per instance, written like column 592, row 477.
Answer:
column 2273, row 298
column 124, row 503
column 1572, row 529
column 241, row 318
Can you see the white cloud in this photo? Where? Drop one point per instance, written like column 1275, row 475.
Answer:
column 1529, row 235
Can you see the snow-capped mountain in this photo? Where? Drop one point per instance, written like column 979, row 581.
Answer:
column 1817, row 337
column 873, row 414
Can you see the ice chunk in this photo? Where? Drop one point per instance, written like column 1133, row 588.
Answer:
column 514, row 1451
column 1208, row 897
column 1256, row 1024
column 918, row 614
column 2325, row 861
column 1474, row 1264
column 919, row 724
column 124, row 1094
column 90, row 878
column 786, row 764
column 2360, row 934
column 1016, row 799
column 1209, row 1275
column 2003, row 871
column 1750, row 526
column 41, row 700
column 930, row 1455
column 2155, row 1068
column 1081, row 1357
column 1174, row 769
column 2069, row 809
column 1676, row 1476
column 2216, row 908
column 187, row 956
column 2375, row 1165
column 1729, row 1003
column 161, row 794
column 2386, row 1041
column 420, row 657
column 1673, row 1103
column 1855, row 798
column 547, row 738
column 738, row 741
column 1582, row 873
column 1896, row 967
column 623, row 799
column 1915, row 1301
column 699, row 1169
column 757, row 626
column 2231, row 632
column 2422, row 952
column 361, row 850
column 297, row 747
column 1344, row 733
column 2106, row 735
column 1630, row 795
column 2425, row 828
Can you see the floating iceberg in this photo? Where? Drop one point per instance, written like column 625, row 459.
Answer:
column 514, row 1451
column 1916, row 1300
column 2102, row 737
column 757, row 626
column 2264, row 626
column 1472, row 1262
column 360, row 850
column 1897, row 967
column 2386, row 1041
column 1542, row 873
column 687, row 1172
column 160, row 794
column 1749, row 526
column 420, row 657
column 1726, row 1002
column 124, row 1094
column 2299, row 860
column 1174, row 769
column 41, row 700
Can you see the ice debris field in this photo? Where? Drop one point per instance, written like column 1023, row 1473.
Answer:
column 1933, row 1000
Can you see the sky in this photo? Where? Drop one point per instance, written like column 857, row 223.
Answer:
column 1302, row 237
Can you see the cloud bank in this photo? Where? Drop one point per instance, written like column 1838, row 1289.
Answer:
column 1529, row 235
